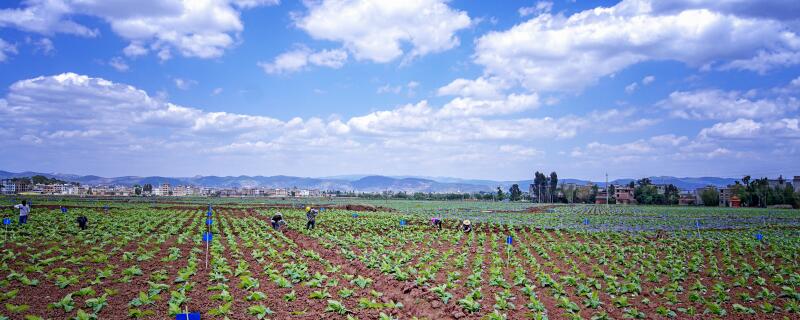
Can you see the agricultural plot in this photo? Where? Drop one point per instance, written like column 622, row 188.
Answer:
column 137, row 261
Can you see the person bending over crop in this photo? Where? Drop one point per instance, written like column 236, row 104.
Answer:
column 437, row 222
column 466, row 226
column 311, row 216
column 82, row 221
column 24, row 210
column 277, row 221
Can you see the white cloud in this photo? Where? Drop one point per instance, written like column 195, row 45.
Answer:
column 202, row 29
column 410, row 88
column 568, row 53
column 539, row 8
column 44, row 45
column 478, row 88
column 378, row 30
column 184, row 84
column 648, row 80
column 298, row 59
column 119, row 64
column 216, row 91
column 135, row 49
column 469, row 107
column 631, row 88
column 721, row 105
column 6, row 49
column 750, row 129
column 520, row 151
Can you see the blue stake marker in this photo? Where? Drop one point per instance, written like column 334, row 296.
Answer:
column 6, row 221
column 208, row 236
column 586, row 221
column 759, row 236
column 402, row 222
column 188, row 316
column 209, row 222
column 209, row 213
column 510, row 240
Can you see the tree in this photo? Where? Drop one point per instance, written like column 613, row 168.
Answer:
column 500, row 195
column 553, row 185
column 137, row 190
column 631, row 185
column 710, row 197
column 148, row 188
column 514, row 193
column 539, row 182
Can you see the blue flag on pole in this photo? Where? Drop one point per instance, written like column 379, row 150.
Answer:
column 510, row 240
column 6, row 221
column 188, row 316
column 207, row 236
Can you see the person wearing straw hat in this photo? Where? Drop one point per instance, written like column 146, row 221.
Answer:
column 466, row 226
column 311, row 216
column 277, row 221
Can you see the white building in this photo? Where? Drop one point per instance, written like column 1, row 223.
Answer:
column 8, row 187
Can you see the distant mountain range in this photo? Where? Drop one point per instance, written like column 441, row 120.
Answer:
column 361, row 183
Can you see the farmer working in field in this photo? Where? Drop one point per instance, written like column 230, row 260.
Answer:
column 437, row 222
column 277, row 221
column 82, row 221
column 24, row 210
column 466, row 226
column 311, row 216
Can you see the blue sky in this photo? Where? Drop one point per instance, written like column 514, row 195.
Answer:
column 470, row 89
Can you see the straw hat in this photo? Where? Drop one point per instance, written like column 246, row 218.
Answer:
column 308, row 208
column 466, row 222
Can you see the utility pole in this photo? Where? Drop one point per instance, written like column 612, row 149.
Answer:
column 606, row 189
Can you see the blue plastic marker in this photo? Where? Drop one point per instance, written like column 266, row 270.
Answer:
column 510, row 240
column 63, row 209
column 6, row 221
column 209, row 222
column 586, row 221
column 188, row 316
column 208, row 236
column 355, row 215
column 759, row 236
column 209, row 213
column 402, row 222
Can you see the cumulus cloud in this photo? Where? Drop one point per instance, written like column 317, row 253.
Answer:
column 721, row 105
column 298, row 59
column 379, row 30
column 202, row 29
column 750, row 129
column 568, row 53
column 478, row 88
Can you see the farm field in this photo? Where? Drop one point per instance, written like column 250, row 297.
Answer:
column 146, row 260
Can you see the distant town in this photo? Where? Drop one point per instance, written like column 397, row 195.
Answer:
column 747, row 192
